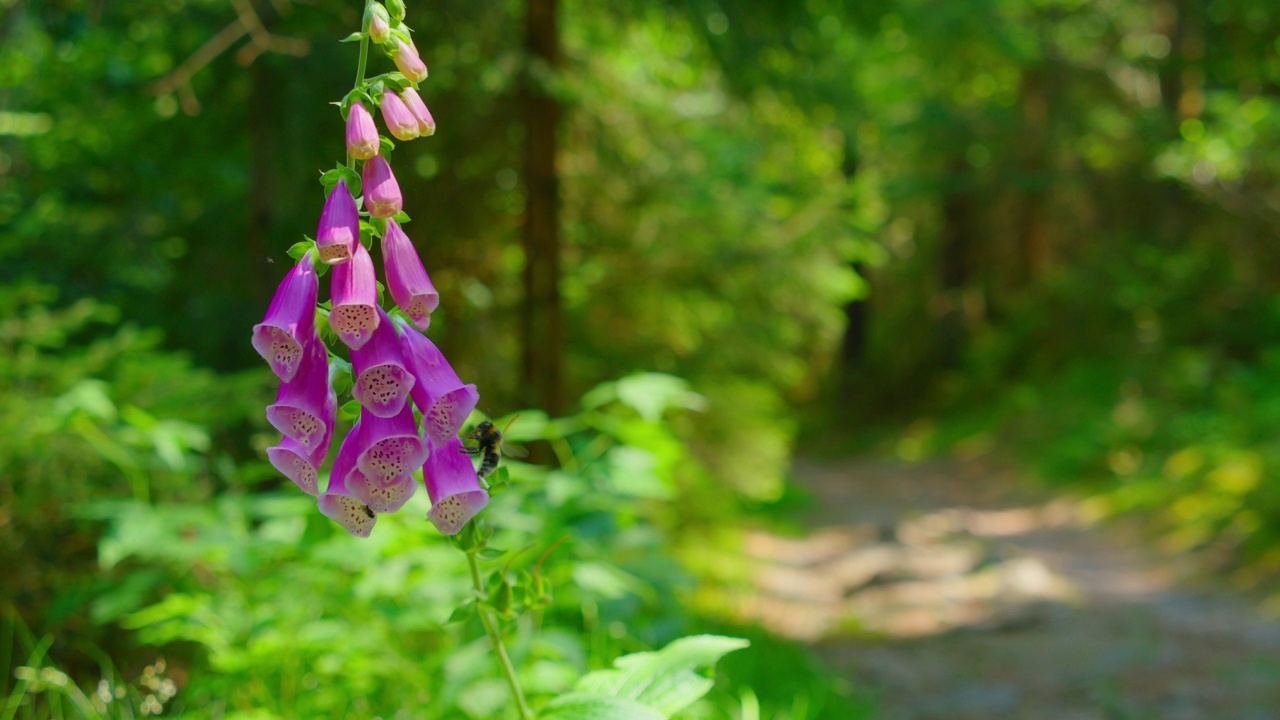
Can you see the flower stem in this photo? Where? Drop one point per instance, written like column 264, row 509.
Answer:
column 491, row 629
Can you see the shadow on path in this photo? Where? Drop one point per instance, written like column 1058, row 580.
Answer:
column 956, row 593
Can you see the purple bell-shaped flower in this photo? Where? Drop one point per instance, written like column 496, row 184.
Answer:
column 439, row 393
column 407, row 279
column 339, row 230
column 296, row 462
column 301, row 403
column 390, row 447
column 290, row 321
column 453, row 486
column 354, row 292
column 382, row 383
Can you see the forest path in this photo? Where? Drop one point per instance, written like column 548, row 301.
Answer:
column 955, row 592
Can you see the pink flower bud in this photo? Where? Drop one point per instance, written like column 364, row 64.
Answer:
column 339, row 230
column 426, row 123
column 362, row 134
column 379, row 24
column 381, row 191
column 407, row 61
column 402, row 123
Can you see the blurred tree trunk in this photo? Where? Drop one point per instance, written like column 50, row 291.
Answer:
column 1033, row 235
column 953, row 266
column 541, row 325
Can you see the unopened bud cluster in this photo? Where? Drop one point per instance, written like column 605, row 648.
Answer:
column 394, row 367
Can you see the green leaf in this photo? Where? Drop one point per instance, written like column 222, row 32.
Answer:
column 298, row 249
column 350, row 410
column 663, row 680
column 353, row 37
column 385, row 145
column 463, row 612
column 598, row 707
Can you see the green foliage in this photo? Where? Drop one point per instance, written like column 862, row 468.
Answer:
column 93, row 409
column 267, row 609
column 646, row 685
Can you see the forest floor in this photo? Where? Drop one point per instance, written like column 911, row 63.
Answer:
column 953, row 591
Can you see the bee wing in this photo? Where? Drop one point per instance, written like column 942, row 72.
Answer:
column 514, row 451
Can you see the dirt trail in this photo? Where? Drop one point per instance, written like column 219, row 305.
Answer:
column 957, row 594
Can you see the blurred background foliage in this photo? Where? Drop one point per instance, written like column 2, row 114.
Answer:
column 1041, row 228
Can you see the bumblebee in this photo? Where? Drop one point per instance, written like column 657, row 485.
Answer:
column 490, row 446
column 368, row 511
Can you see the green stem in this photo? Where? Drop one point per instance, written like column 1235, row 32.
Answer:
column 364, row 61
column 492, row 630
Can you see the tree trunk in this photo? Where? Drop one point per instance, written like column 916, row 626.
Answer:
column 541, row 325
column 953, row 265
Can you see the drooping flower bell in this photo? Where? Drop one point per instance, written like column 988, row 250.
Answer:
column 408, row 62
column 402, row 123
column 444, row 401
column 413, row 101
column 453, row 486
column 407, row 279
column 354, row 292
column 299, row 464
column 390, row 447
column 362, row 133
column 382, row 196
column 301, row 403
column 339, row 230
column 339, row 503
column 289, row 324
column 382, row 382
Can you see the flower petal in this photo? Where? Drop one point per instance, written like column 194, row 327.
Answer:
column 381, row 497
column 294, row 462
column 349, row 512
